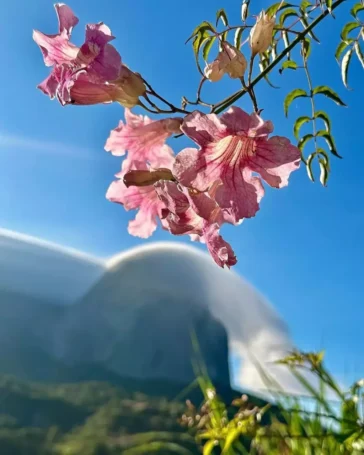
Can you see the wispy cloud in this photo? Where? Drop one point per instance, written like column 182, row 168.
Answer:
column 20, row 143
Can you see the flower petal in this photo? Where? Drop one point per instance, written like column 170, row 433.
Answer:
column 220, row 250
column 143, row 198
column 177, row 215
column 202, row 128
column 99, row 34
column 66, row 19
column 238, row 121
column 84, row 92
column 49, row 86
column 275, row 159
column 145, row 222
column 239, row 192
column 56, row 49
column 144, row 139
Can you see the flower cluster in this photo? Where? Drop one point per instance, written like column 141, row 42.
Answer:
column 198, row 190
column 90, row 74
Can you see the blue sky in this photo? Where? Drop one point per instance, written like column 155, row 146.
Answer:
column 304, row 248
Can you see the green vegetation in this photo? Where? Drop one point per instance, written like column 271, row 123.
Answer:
column 329, row 426
column 137, row 417
column 92, row 418
column 96, row 418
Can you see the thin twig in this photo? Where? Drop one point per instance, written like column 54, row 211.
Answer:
column 172, row 107
column 198, row 95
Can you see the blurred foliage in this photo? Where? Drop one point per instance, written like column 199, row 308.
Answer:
column 96, row 418
column 136, row 417
column 326, row 420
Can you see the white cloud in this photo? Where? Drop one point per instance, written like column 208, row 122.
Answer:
column 11, row 142
column 253, row 325
column 255, row 330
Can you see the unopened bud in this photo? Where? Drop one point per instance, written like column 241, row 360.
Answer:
column 146, row 178
column 229, row 60
column 235, row 61
column 213, row 71
column 261, row 34
column 131, row 87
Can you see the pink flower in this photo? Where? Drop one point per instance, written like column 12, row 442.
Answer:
column 231, row 149
column 196, row 214
column 57, row 49
column 145, row 199
column 89, row 74
column 142, row 137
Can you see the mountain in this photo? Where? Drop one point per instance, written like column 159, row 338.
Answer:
column 124, row 324
column 130, row 316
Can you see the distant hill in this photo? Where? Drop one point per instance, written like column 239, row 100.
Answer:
column 92, row 418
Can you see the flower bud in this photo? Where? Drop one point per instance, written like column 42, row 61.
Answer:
column 130, row 86
column 236, row 63
column 214, row 71
column 137, row 177
column 261, row 34
column 229, row 60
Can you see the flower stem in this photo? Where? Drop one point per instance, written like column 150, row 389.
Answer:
column 224, row 104
column 173, row 109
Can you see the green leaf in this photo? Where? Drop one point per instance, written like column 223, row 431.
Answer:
column 329, row 92
column 309, row 166
column 209, row 447
column 311, row 389
column 231, row 437
column 207, row 47
column 356, row 8
column 224, row 35
column 323, row 153
column 329, row 140
column 340, row 49
column 238, row 36
column 303, row 141
column 345, row 66
column 349, row 27
column 311, row 34
column 306, row 48
column 221, row 14
column 273, row 50
column 324, row 172
column 245, row 10
column 304, row 5
column 264, row 62
column 285, row 38
column 273, row 10
column 294, row 94
column 329, row 4
column 298, row 125
column 359, row 53
column 349, row 411
column 286, row 14
column 326, row 119
column 288, row 64
column 200, row 38
column 205, row 25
